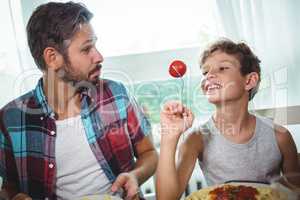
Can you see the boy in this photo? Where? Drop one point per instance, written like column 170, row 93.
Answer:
column 233, row 144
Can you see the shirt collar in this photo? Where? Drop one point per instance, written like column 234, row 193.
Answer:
column 87, row 97
column 41, row 98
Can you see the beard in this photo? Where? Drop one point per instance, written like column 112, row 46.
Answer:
column 77, row 79
column 67, row 74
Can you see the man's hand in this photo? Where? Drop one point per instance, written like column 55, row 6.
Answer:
column 129, row 183
column 22, row 196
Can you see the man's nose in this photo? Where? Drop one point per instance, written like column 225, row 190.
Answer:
column 98, row 58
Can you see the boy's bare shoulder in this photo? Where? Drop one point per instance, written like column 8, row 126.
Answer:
column 281, row 131
column 283, row 136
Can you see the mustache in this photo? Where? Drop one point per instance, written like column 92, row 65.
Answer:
column 97, row 68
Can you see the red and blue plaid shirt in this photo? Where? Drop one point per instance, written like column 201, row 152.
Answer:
column 113, row 124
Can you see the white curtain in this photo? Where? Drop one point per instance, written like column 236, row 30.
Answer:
column 18, row 72
column 9, row 55
column 270, row 27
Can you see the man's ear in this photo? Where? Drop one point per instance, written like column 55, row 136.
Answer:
column 251, row 80
column 53, row 59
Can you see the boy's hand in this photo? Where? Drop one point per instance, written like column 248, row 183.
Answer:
column 175, row 119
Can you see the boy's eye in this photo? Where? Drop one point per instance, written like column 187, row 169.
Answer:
column 86, row 49
column 223, row 68
column 204, row 73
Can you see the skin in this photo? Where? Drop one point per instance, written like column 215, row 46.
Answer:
column 60, row 81
column 227, row 89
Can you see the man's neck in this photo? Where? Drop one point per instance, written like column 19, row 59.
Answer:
column 61, row 96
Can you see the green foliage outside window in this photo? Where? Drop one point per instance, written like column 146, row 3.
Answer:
column 153, row 94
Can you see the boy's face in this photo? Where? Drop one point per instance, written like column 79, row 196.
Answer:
column 84, row 58
column 222, row 79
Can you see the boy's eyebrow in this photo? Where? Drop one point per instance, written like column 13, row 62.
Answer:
column 204, row 67
column 229, row 61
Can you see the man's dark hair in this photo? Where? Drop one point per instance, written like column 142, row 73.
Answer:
column 248, row 60
column 51, row 25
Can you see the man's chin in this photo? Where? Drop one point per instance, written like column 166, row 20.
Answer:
column 83, row 84
column 94, row 80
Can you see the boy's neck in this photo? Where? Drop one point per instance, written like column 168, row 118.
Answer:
column 234, row 121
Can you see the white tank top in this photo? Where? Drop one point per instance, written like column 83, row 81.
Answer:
column 257, row 160
column 78, row 172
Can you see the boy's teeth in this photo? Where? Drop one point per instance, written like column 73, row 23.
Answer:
column 214, row 87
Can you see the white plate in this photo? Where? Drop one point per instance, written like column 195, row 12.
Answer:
column 291, row 195
column 100, row 197
column 281, row 188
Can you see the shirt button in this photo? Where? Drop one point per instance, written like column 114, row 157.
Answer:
column 41, row 118
column 52, row 132
column 51, row 165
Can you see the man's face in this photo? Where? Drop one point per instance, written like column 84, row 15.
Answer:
column 84, row 60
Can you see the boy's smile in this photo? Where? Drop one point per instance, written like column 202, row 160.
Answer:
column 222, row 80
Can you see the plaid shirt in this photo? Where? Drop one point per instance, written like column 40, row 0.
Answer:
column 113, row 125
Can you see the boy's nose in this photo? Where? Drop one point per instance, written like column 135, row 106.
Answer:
column 211, row 74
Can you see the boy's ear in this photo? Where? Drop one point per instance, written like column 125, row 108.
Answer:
column 251, row 80
column 53, row 59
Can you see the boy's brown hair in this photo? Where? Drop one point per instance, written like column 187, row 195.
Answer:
column 248, row 60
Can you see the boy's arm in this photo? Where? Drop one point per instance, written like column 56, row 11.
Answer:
column 171, row 180
column 290, row 165
column 189, row 151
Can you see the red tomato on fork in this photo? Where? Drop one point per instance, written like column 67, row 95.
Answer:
column 177, row 68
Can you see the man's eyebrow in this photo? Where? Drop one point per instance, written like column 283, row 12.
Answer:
column 91, row 40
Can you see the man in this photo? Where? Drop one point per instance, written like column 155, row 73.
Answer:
column 74, row 134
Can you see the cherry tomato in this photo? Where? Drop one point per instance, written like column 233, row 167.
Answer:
column 177, row 68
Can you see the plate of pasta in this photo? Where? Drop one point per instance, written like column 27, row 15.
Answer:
column 241, row 191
